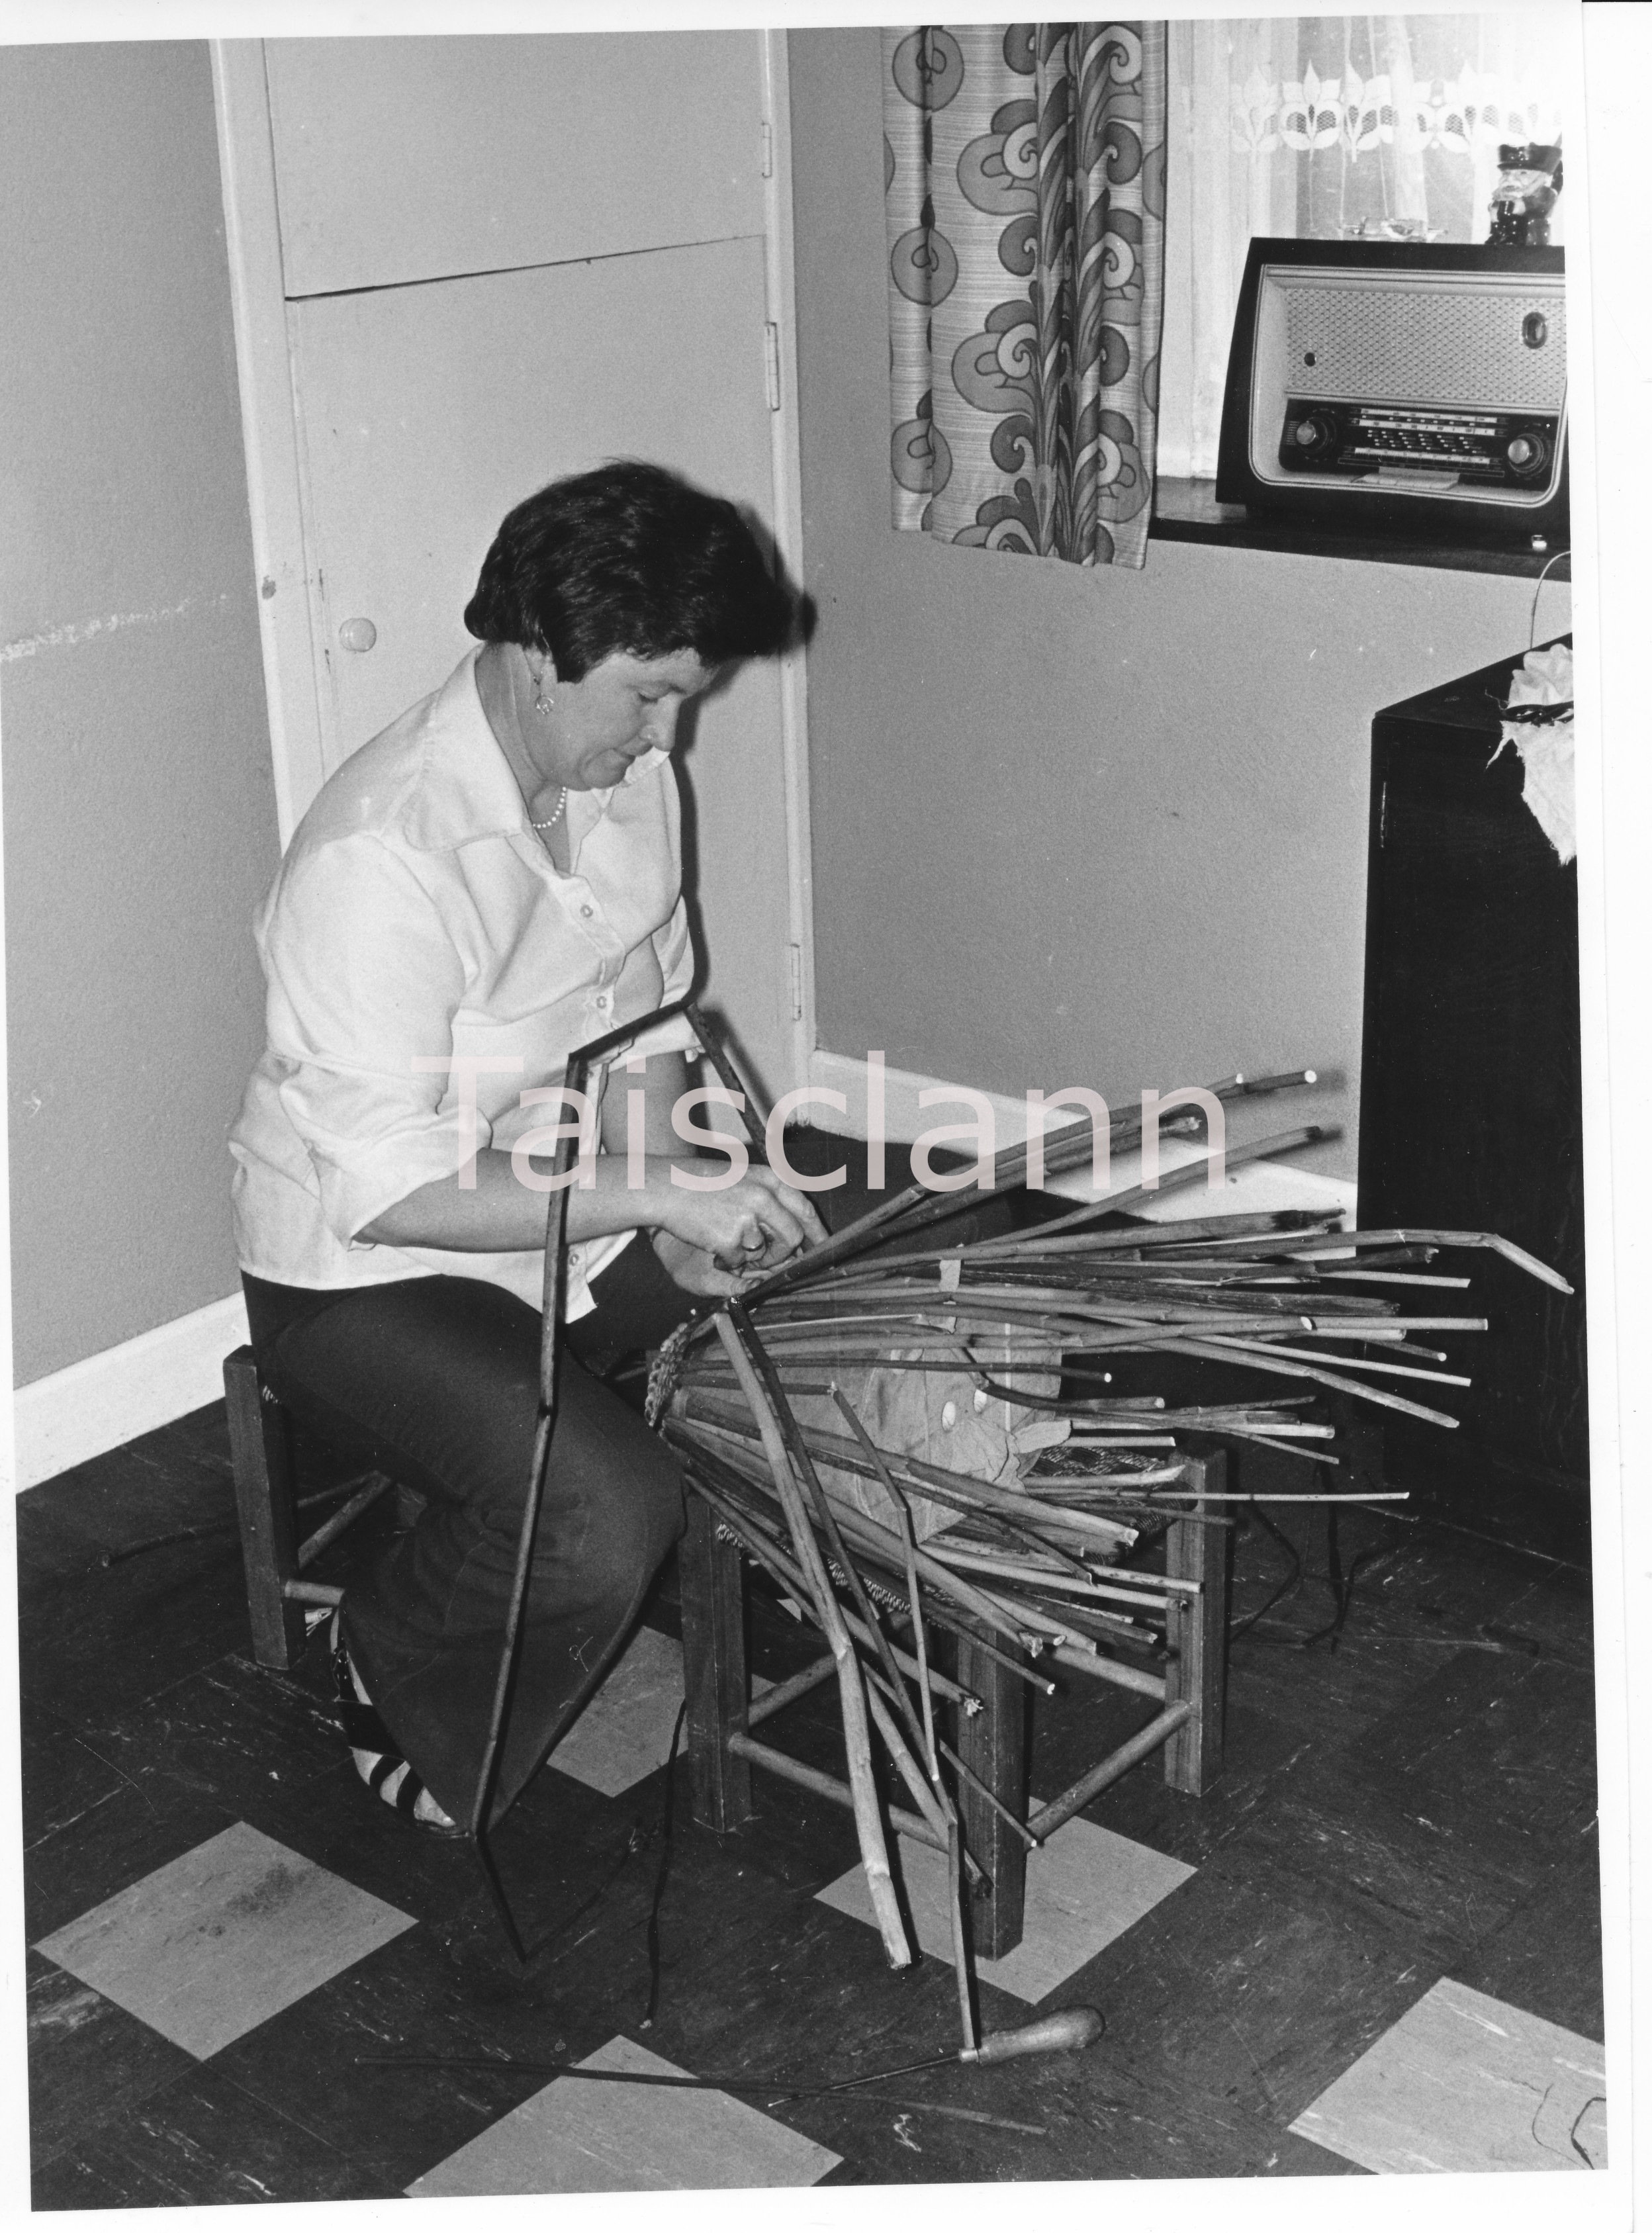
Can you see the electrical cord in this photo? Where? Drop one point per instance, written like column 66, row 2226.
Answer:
column 1291, row 1583
column 1338, row 1580
column 1340, row 1583
column 637, row 1840
column 1532, row 634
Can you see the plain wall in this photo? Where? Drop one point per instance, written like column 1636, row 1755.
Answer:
column 139, row 805
column 1072, row 825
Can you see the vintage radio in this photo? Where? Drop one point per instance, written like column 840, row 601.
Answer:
column 1396, row 384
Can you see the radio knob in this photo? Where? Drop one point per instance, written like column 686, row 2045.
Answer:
column 1316, row 432
column 1526, row 453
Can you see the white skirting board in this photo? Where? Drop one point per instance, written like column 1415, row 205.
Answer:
column 1275, row 1184
column 106, row 1400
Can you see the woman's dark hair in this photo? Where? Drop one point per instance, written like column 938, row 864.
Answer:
column 629, row 557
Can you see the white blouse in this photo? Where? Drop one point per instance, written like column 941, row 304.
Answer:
column 417, row 916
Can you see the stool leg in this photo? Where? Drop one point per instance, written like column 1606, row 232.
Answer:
column 993, row 1743
column 714, row 1670
column 260, row 1448
column 1198, row 1637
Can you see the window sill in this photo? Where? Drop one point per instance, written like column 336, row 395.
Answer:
column 1186, row 511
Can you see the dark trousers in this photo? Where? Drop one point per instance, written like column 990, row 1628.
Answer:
column 436, row 1381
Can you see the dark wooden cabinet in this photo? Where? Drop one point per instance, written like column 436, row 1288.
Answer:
column 1471, row 1105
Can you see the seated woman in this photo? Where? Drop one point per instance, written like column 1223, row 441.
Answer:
column 492, row 882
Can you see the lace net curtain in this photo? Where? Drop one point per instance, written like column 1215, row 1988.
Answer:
column 1324, row 128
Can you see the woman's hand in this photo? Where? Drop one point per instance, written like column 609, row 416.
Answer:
column 711, row 1243
column 695, row 1271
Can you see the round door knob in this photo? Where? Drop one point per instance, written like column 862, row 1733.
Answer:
column 358, row 635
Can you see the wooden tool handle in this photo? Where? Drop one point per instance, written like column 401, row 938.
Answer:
column 1062, row 2034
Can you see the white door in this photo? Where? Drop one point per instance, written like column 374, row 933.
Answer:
column 505, row 259
column 425, row 411
column 415, row 158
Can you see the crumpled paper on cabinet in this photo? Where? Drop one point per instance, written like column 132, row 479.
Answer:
column 1546, row 751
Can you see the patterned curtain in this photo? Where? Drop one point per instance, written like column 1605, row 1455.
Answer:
column 1024, row 173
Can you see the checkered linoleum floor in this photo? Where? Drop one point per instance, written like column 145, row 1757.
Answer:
column 1373, row 1947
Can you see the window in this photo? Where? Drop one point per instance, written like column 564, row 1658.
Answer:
column 1328, row 128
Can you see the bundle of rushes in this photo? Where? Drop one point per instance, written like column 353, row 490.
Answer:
column 771, row 1402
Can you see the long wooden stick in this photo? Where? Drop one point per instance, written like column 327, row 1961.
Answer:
column 1108, row 1205
column 1435, row 1237
column 949, row 1487
column 949, row 1617
column 551, row 1315
column 1262, row 1360
column 1228, row 1229
column 955, row 1835
column 1348, row 1363
column 1103, row 1669
column 1091, row 1527
column 962, row 1768
column 931, row 1803
column 967, row 1773
column 1066, row 1149
column 908, row 1548
column 815, row 1494
column 762, row 1547
column 782, row 1695
column 828, row 1786
column 1009, row 1570
column 1050, row 1819
column 868, row 1826
column 960, row 1944
column 917, row 1783
column 726, row 1068
column 1009, row 1170
column 886, row 1544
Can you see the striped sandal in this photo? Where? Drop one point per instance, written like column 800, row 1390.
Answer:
column 378, row 1759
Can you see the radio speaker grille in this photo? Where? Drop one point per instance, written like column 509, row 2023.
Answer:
column 1404, row 344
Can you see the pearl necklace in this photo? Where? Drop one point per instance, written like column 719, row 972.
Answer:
column 551, row 820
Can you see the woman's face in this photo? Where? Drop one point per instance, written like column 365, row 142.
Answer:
column 625, row 706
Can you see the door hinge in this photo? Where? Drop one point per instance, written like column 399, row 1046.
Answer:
column 795, row 967
column 767, row 131
column 772, row 363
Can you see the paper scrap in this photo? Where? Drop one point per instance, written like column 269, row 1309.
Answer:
column 1545, row 749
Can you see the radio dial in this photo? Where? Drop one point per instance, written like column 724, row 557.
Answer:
column 1526, row 453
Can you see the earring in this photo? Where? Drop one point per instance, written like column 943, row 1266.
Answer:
column 544, row 701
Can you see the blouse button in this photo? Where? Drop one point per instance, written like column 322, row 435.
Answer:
column 601, row 999
column 587, row 910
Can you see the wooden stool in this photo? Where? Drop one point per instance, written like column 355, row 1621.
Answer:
column 1191, row 1696
column 267, row 1505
